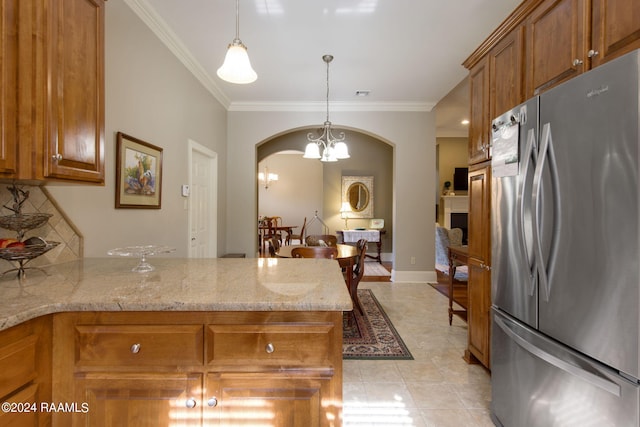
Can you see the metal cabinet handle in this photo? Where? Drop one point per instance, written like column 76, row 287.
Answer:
column 212, row 402
column 592, row 53
column 135, row 349
column 577, row 62
column 190, row 403
column 269, row 348
column 57, row 157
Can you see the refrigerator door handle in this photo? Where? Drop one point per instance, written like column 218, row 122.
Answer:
column 530, row 157
column 546, row 152
column 571, row 369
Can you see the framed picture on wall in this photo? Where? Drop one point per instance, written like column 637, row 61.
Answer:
column 138, row 173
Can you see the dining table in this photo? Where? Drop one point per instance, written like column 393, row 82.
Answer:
column 264, row 229
column 347, row 257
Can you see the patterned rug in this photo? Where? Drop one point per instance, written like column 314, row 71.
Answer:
column 371, row 336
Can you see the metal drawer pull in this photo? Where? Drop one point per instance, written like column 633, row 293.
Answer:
column 135, row 349
column 190, row 403
column 57, row 157
column 592, row 53
column 269, row 348
column 212, row 402
column 577, row 62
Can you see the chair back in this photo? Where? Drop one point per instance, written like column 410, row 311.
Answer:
column 304, row 225
column 315, row 252
column 274, row 246
column 358, row 271
column 315, row 240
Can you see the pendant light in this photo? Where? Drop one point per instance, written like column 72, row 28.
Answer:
column 237, row 67
column 333, row 148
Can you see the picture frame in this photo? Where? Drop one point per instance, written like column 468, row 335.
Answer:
column 138, row 173
column 357, row 192
column 376, row 224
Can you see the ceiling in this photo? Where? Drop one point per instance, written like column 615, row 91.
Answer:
column 407, row 53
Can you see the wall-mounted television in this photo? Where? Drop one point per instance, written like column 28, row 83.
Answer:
column 461, row 179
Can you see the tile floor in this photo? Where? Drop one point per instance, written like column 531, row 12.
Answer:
column 437, row 388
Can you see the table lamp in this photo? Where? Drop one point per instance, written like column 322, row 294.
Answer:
column 344, row 213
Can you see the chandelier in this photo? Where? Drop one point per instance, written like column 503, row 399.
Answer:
column 237, row 67
column 332, row 148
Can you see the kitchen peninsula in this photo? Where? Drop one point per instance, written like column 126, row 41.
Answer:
column 211, row 341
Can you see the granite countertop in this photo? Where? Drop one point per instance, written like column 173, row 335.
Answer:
column 213, row 284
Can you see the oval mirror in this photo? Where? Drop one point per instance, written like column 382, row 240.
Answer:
column 358, row 195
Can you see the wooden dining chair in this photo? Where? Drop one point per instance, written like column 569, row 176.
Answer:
column 315, row 240
column 274, row 246
column 315, row 252
column 358, row 272
column 299, row 237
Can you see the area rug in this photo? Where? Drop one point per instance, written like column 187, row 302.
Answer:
column 374, row 268
column 371, row 336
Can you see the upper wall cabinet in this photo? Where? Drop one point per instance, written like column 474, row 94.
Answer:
column 615, row 29
column 496, row 85
column 59, row 63
column 568, row 37
column 8, row 85
column 556, row 43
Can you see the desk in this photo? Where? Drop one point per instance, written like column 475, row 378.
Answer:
column 373, row 236
column 347, row 256
column 458, row 255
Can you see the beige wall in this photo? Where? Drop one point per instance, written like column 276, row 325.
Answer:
column 152, row 96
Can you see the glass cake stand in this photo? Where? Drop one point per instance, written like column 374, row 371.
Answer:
column 141, row 252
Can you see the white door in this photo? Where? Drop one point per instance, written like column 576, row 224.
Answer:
column 203, row 206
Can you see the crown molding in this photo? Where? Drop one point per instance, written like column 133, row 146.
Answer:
column 335, row 106
column 144, row 10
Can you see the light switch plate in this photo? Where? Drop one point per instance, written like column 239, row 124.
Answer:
column 185, row 190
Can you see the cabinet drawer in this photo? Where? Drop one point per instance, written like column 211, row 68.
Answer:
column 139, row 345
column 17, row 364
column 270, row 344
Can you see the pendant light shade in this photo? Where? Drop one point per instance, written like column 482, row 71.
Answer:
column 237, row 66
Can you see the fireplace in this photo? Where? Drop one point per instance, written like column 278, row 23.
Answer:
column 456, row 210
column 459, row 220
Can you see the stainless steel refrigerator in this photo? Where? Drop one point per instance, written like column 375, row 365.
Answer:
column 565, row 261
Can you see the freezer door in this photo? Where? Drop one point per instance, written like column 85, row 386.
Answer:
column 585, row 196
column 513, row 269
column 538, row 382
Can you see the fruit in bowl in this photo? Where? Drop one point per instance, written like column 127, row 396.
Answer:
column 4, row 243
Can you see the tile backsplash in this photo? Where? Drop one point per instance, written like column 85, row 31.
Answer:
column 58, row 229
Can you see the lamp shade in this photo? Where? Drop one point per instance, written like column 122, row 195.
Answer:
column 312, row 151
column 237, row 67
column 341, row 150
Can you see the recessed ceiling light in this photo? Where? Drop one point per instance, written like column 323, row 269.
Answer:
column 465, row 122
column 363, row 92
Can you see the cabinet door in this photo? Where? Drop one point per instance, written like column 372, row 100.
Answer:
column 479, row 133
column 556, row 44
column 505, row 65
column 478, row 312
column 136, row 399
column 75, row 62
column 277, row 400
column 8, row 87
column 479, row 213
column 615, row 30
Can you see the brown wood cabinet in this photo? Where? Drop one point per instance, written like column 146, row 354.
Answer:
column 217, row 368
column 568, row 37
column 53, row 76
column 25, row 373
column 8, row 85
column 479, row 283
column 479, row 112
column 541, row 44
